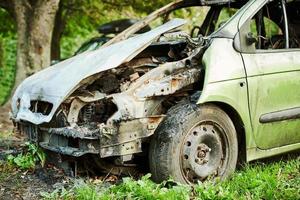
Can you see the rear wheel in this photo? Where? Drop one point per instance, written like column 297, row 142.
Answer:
column 194, row 143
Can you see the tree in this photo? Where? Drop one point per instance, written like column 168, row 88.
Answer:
column 59, row 25
column 34, row 21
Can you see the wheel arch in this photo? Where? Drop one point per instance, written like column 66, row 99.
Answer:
column 239, row 126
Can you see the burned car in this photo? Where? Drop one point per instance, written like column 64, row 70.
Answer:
column 192, row 105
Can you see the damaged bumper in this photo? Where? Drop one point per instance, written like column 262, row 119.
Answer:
column 123, row 139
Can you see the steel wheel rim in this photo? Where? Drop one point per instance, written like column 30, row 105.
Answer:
column 203, row 152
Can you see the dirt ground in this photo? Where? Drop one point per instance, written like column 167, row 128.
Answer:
column 29, row 185
column 5, row 122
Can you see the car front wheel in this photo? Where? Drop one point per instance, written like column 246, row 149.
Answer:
column 194, row 143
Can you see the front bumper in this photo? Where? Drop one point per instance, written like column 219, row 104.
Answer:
column 124, row 138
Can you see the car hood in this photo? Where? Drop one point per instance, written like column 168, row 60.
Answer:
column 57, row 82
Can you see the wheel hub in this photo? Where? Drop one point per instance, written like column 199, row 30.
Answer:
column 202, row 152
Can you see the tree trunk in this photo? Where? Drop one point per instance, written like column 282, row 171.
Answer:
column 59, row 26
column 35, row 22
column 21, row 13
column 40, row 34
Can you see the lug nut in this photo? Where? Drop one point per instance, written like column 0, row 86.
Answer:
column 201, row 154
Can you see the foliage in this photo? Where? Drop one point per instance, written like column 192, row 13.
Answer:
column 8, row 49
column 278, row 180
column 28, row 160
column 7, row 65
column 7, row 23
column 82, row 20
column 129, row 189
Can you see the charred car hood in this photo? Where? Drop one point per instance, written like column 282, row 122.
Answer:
column 57, row 82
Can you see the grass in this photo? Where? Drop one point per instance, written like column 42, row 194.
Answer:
column 277, row 180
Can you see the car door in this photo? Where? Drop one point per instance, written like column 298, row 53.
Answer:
column 273, row 76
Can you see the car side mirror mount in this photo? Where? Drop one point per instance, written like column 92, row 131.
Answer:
column 250, row 39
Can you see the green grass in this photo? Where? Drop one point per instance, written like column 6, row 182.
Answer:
column 278, row 180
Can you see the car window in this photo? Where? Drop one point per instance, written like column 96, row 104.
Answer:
column 225, row 15
column 267, row 27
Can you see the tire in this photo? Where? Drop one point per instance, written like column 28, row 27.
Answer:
column 193, row 143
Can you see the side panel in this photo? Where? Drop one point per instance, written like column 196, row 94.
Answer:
column 255, row 153
column 274, row 96
column 225, row 81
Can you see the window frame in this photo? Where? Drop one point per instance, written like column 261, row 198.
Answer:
column 239, row 40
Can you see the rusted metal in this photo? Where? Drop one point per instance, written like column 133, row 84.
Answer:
column 82, row 132
column 128, row 131
column 169, row 84
column 70, row 151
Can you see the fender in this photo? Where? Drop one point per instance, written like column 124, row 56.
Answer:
column 225, row 82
